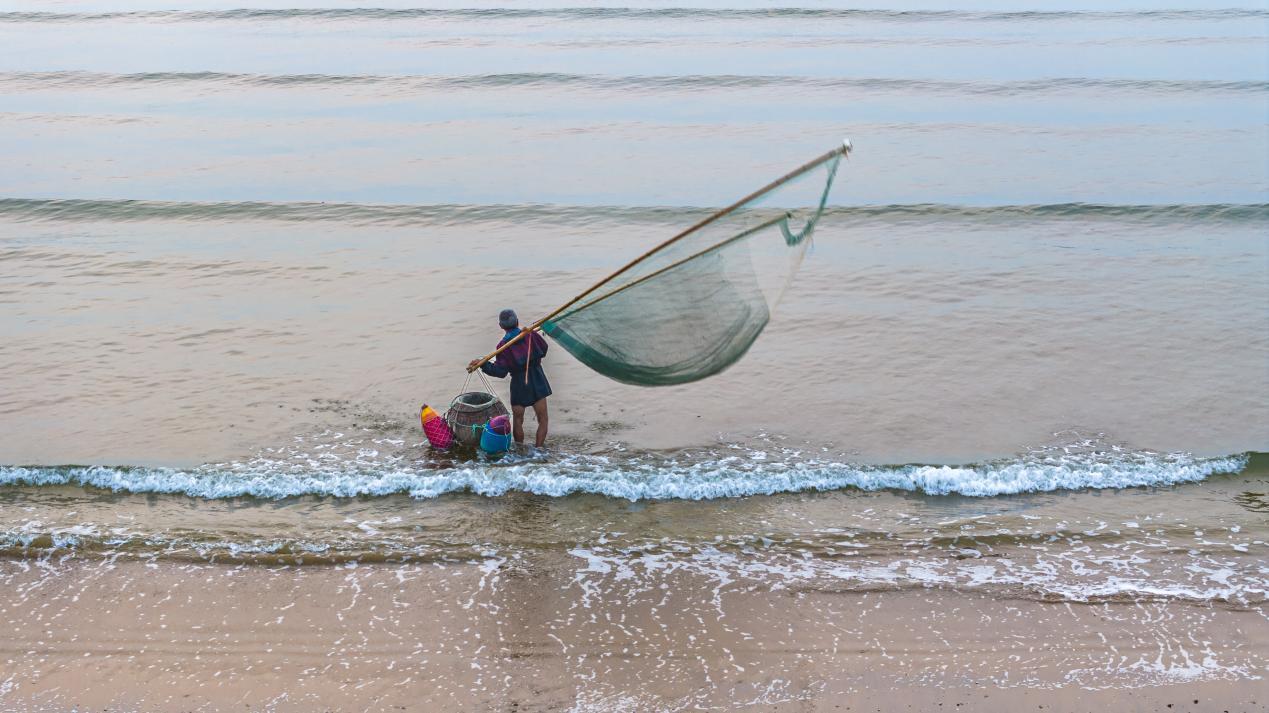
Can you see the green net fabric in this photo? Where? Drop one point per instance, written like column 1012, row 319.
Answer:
column 694, row 307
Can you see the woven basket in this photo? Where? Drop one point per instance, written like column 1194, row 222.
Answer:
column 469, row 412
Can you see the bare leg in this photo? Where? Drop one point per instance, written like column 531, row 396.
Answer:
column 517, row 423
column 539, row 410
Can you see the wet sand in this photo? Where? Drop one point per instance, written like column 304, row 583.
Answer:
column 510, row 634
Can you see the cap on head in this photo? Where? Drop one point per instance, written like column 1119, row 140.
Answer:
column 507, row 319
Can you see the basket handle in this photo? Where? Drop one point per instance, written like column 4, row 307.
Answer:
column 483, row 380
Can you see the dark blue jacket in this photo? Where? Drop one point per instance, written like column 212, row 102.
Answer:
column 531, row 349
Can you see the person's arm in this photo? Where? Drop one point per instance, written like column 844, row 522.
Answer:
column 497, row 367
column 539, row 345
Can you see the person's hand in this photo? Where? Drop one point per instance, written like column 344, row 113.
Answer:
column 473, row 365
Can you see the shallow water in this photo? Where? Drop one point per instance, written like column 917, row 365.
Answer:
column 1024, row 363
column 866, row 529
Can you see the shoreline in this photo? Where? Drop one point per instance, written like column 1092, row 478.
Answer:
column 542, row 632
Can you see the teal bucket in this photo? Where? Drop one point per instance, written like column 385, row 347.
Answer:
column 491, row 442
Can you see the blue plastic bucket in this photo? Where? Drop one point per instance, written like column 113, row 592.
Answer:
column 491, row 442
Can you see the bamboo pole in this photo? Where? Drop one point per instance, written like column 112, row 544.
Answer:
column 840, row 150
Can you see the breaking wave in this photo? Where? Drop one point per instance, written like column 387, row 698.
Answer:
column 637, row 477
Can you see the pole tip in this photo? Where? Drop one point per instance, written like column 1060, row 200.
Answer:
column 847, row 145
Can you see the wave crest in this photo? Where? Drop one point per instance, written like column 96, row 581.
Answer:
column 609, row 13
column 612, row 82
column 23, row 209
column 634, row 478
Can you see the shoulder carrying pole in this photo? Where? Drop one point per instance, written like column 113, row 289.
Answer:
column 844, row 149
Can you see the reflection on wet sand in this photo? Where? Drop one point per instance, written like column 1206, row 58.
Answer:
column 551, row 631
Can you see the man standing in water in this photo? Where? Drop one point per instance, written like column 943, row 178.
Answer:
column 523, row 363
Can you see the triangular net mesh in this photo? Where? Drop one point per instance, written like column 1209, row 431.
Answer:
column 693, row 307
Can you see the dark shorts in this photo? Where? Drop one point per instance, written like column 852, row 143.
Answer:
column 526, row 393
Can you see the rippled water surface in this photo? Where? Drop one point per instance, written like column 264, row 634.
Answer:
column 1024, row 363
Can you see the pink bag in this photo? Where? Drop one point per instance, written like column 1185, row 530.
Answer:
column 500, row 425
column 435, row 428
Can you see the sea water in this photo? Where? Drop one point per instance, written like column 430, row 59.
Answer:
column 1026, row 357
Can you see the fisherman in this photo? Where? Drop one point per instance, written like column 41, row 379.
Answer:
column 523, row 363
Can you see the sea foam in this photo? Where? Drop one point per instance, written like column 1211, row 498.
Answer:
column 636, row 477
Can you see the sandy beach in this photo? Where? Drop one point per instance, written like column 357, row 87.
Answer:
column 546, row 635
column 523, row 602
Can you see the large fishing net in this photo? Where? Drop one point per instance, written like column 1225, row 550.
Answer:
column 693, row 306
